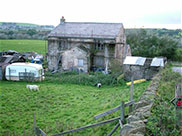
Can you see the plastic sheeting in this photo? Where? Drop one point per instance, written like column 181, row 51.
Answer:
column 134, row 60
column 157, row 62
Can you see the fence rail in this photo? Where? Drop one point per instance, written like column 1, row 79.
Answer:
column 88, row 126
column 121, row 119
column 113, row 110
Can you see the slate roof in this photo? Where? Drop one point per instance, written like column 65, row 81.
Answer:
column 87, row 30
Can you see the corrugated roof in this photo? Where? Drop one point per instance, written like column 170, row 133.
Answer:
column 130, row 60
column 87, row 30
column 157, row 62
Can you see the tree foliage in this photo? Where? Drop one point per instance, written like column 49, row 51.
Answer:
column 151, row 44
column 24, row 34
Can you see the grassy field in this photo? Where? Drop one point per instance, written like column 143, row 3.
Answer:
column 59, row 106
column 38, row 46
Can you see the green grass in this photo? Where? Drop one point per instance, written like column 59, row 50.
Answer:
column 59, row 106
column 38, row 46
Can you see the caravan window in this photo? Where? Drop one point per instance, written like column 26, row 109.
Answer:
column 34, row 72
column 12, row 70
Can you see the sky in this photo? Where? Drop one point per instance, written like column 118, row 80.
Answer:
column 132, row 13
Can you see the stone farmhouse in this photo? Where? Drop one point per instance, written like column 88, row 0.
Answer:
column 86, row 46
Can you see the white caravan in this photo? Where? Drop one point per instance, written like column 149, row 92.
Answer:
column 24, row 71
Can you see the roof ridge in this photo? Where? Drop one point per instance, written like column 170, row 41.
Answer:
column 93, row 23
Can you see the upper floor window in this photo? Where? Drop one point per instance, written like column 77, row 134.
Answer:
column 99, row 45
column 63, row 45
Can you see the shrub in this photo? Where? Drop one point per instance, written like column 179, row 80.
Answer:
column 85, row 79
column 178, row 55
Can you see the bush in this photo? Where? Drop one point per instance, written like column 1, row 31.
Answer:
column 178, row 55
column 85, row 79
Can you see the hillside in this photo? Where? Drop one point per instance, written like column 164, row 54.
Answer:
column 19, row 26
column 24, row 31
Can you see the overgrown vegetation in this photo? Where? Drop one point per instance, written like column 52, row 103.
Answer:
column 86, row 79
column 59, row 106
column 152, row 44
column 162, row 121
column 178, row 55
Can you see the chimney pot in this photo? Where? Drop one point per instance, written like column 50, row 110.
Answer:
column 62, row 21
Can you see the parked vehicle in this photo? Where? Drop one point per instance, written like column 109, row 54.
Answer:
column 24, row 71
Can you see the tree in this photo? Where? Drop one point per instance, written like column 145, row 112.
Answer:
column 31, row 32
column 151, row 45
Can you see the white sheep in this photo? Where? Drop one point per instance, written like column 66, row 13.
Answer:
column 32, row 87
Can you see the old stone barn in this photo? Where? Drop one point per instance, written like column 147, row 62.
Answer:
column 86, row 46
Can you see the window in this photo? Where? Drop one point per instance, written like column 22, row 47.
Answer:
column 102, row 47
column 13, row 71
column 99, row 45
column 60, row 45
column 63, row 44
column 80, row 62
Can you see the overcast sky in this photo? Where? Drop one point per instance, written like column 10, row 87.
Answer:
column 132, row 13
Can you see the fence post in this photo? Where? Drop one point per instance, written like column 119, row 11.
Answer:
column 178, row 95
column 37, row 132
column 122, row 111
column 131, row 93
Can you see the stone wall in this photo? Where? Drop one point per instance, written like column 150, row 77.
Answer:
column 142, row 109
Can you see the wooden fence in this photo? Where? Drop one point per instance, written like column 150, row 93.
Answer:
column 120, row 120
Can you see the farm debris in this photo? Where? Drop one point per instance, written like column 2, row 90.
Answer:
column 136, row 81
column 7, row 58
column 38, row 59
column 12, row 56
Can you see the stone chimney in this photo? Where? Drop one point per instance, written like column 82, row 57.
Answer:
column 62, row 20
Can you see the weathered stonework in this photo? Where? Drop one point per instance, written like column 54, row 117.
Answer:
column 105, row 42
column 138, row 118
column 75, row 58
